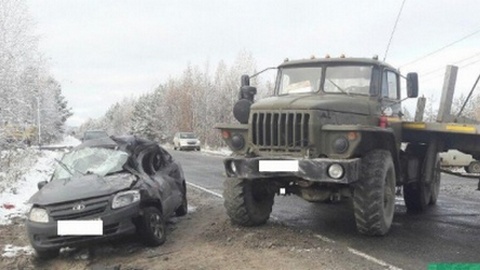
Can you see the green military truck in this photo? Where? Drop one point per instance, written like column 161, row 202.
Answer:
column 332, row 130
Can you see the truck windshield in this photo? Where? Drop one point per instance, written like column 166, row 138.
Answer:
column 348, row 79
column 300, row 80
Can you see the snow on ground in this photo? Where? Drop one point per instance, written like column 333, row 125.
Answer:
column 13, row 251
column 20, row 182
column 225, row 151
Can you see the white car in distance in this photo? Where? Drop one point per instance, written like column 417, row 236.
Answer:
column 186, row 141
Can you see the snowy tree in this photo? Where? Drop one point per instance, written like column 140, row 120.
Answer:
column 29, row 96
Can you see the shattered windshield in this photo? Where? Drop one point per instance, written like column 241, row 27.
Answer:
column 348, row 79
column 300, row 80
column 88, row 160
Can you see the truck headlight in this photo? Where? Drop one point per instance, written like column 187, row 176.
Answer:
column 125, row 198
column 38, row 214
column 335, row 171
column 238, row 142
column 340, row 145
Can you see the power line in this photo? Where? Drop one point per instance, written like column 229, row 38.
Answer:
column 454, row 63
column 393, row 30
column 442, row 48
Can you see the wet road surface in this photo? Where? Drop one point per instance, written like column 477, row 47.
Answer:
column 447, row 232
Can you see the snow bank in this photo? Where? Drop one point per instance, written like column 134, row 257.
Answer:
column 19, row 188
column 67, row 141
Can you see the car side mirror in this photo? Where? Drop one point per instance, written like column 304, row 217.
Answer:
column 412, row 85
column 41, row 184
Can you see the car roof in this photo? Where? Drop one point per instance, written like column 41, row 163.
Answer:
column 128, row 143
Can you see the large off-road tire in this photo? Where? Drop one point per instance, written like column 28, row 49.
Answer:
column 152, row 228
column 419, row 194
column 182, row 210
column 473, row 167
column 248, row 202
column 47, row 254
column 374, row 193
column 435, row 184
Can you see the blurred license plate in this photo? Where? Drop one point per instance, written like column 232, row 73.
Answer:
column 80, row 227
column 278, row 166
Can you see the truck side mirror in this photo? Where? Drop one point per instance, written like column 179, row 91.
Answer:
column 245, row 80
column 241, row 109
column 412, row 85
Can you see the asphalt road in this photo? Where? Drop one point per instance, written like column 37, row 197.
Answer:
column 447, row 232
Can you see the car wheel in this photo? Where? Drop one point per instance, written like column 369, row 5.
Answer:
column 474, row 167
column 182, row 210
column 152, row 228
column 47, row 254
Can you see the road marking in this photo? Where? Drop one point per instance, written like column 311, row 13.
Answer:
column 373, row 259
column 324, row 238
column 321, row 237
column 206, row 190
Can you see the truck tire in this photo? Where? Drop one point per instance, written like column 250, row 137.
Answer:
column 435, row 184
column 474, row 167
column 421, row 193
column 374, row 193
column 248, row 202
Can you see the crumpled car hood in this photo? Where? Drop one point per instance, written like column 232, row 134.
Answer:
column 81, row 187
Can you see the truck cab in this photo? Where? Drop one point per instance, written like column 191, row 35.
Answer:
column 331, row 130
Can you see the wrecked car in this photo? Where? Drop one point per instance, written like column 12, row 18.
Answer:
column 105, row 188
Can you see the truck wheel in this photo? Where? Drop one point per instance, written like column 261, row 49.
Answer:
column 474, row 167
column 435, row 184
column 418, row 194
column 374, row 194
column 248, row 202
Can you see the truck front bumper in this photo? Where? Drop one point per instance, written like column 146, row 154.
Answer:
column 316, row 170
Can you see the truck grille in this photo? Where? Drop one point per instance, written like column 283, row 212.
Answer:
column 91, row 207
column 280, row 131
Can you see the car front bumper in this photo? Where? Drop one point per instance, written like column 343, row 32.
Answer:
column 43, row 236
column 315, row 170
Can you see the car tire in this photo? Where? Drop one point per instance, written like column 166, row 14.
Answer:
column 152, row 228
column 474, row 167
column 248, row 202
column 374, row 194
column 47, row 254
column 182, row 210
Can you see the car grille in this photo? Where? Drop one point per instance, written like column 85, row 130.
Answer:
column 65, row 211
column 286, row 131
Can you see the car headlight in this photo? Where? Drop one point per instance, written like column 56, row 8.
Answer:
column 38, row 215
column 125, row 198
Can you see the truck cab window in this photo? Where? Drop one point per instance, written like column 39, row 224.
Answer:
column 389, row 85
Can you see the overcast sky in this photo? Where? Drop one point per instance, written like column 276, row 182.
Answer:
column 103, row 51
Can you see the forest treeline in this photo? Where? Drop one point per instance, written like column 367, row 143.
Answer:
column 32, row 107
column 195, row 101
